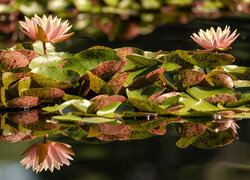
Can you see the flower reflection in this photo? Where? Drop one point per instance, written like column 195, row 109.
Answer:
column 211, row 39
column 48, row 155
column 45, row 29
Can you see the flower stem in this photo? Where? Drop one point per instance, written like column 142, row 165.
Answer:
column 44, row 48
column 216, row 51
column 205, row 70
column 45, row 139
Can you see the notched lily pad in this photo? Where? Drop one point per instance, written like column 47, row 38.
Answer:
column 191, row 129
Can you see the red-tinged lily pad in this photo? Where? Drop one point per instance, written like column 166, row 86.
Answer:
column 189, row 77
column 221, row 98
column 160, row 99
column 44, row 93
column 102, row 101
column 108, row 68
column 118, row 81
column 13, row 59
column 210, row 140
column 23, row 102
column 148, row 79
column 124, row 51
column 24, row 117
column 18, row 136
column 220, row 78
column 29, row 54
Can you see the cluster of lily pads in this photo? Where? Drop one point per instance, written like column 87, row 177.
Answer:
column 101, row 94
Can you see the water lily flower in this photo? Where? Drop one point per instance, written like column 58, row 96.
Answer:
column 47, row 155
column 211, row 39
column 45, row 29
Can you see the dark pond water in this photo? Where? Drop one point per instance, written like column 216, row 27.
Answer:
column 157, row 157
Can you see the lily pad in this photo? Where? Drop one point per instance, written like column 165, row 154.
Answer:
column 220, row 78
column 51, row 59
column 44, row 93
column 23, row 102
column 88, row 59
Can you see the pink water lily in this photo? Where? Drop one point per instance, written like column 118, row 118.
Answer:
column 45, row 29
column 48, row 155
column 211, row 39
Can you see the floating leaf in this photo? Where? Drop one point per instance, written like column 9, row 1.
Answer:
column 220, row 78
column 38, row 47
column 13, row 59
column 145, row 105
column 23, row 102
column 206, row 59
column 56, row 73
column 96, row 83
column 200, row 92
column 141, row 61
column 44, row 93
column 242, row 83
column 221, row 98
column 114, row 109
column 124, row 51
column 143, row 93
column 70, row 117
column 175, row 58
column 88, row 59
column 9, row 78
column 49, row 82
column 29, row 54
column 51, row 59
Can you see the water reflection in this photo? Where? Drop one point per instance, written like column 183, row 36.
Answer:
column 201, row 133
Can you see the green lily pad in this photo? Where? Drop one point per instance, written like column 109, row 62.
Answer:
column 49, row 82
column 114, row 109
column 9, row 78
column 51, row 59
column 206, row 59
column 200, row 92
column 70, row 117
column 142, row 61
column 88, row 59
